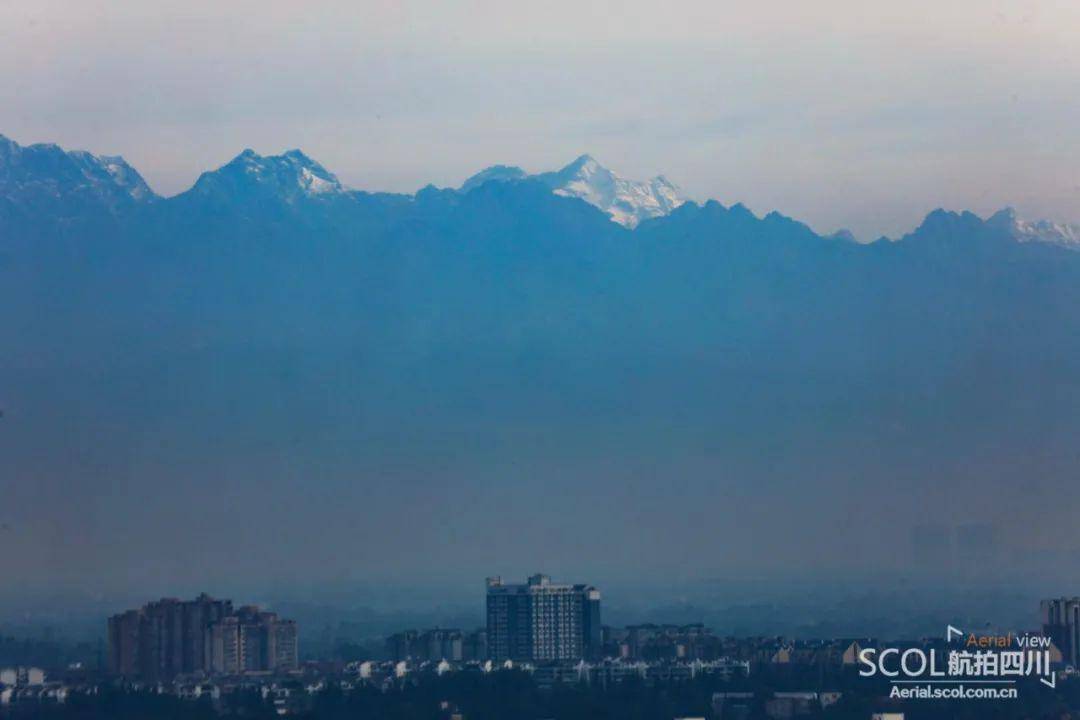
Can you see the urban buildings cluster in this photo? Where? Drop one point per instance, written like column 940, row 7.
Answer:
column 437, row 644
column 295, row 692
column 171, row 637
column 28, row 686
column 389, row 674
column 537, row 621
column 208, row 649
column 648, row 643
column 653, row 642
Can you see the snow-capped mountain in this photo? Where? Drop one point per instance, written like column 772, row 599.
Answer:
column 627, row 202
column 45, row 172
column 288, row 177
column 1045, row 231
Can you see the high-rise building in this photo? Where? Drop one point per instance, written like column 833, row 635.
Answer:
column 1061, row 623
column 164, row 638
column 251, row 641
column 198, row 616
column 541, row 620
column 171, row 637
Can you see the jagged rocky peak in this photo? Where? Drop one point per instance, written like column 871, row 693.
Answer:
column 628, row 202
column 289, row 176
column 48, row 168
column 1005, row 224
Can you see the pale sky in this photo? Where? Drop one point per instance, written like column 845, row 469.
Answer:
column 841, row 113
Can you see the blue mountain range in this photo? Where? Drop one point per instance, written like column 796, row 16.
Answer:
column 270, row 306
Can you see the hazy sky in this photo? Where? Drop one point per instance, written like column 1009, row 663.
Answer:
column 839, row 112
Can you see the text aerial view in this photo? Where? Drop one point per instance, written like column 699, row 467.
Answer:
column 493, row 360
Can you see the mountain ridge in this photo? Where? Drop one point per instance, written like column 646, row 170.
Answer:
column 43, row 180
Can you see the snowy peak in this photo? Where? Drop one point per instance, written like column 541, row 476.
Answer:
column 584, row 166
column 104, row 169
column 47, row 172
column 1044, row 231
column 289, row 177
column 587, row 179
column 627, row 202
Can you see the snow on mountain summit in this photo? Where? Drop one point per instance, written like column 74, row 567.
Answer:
column 288, row 176
column 627, row 202
column 1045, row 231
column 47, row 170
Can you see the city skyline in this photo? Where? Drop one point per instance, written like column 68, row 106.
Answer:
column 542, row 640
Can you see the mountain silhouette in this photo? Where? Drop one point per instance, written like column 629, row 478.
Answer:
column 507, row 347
